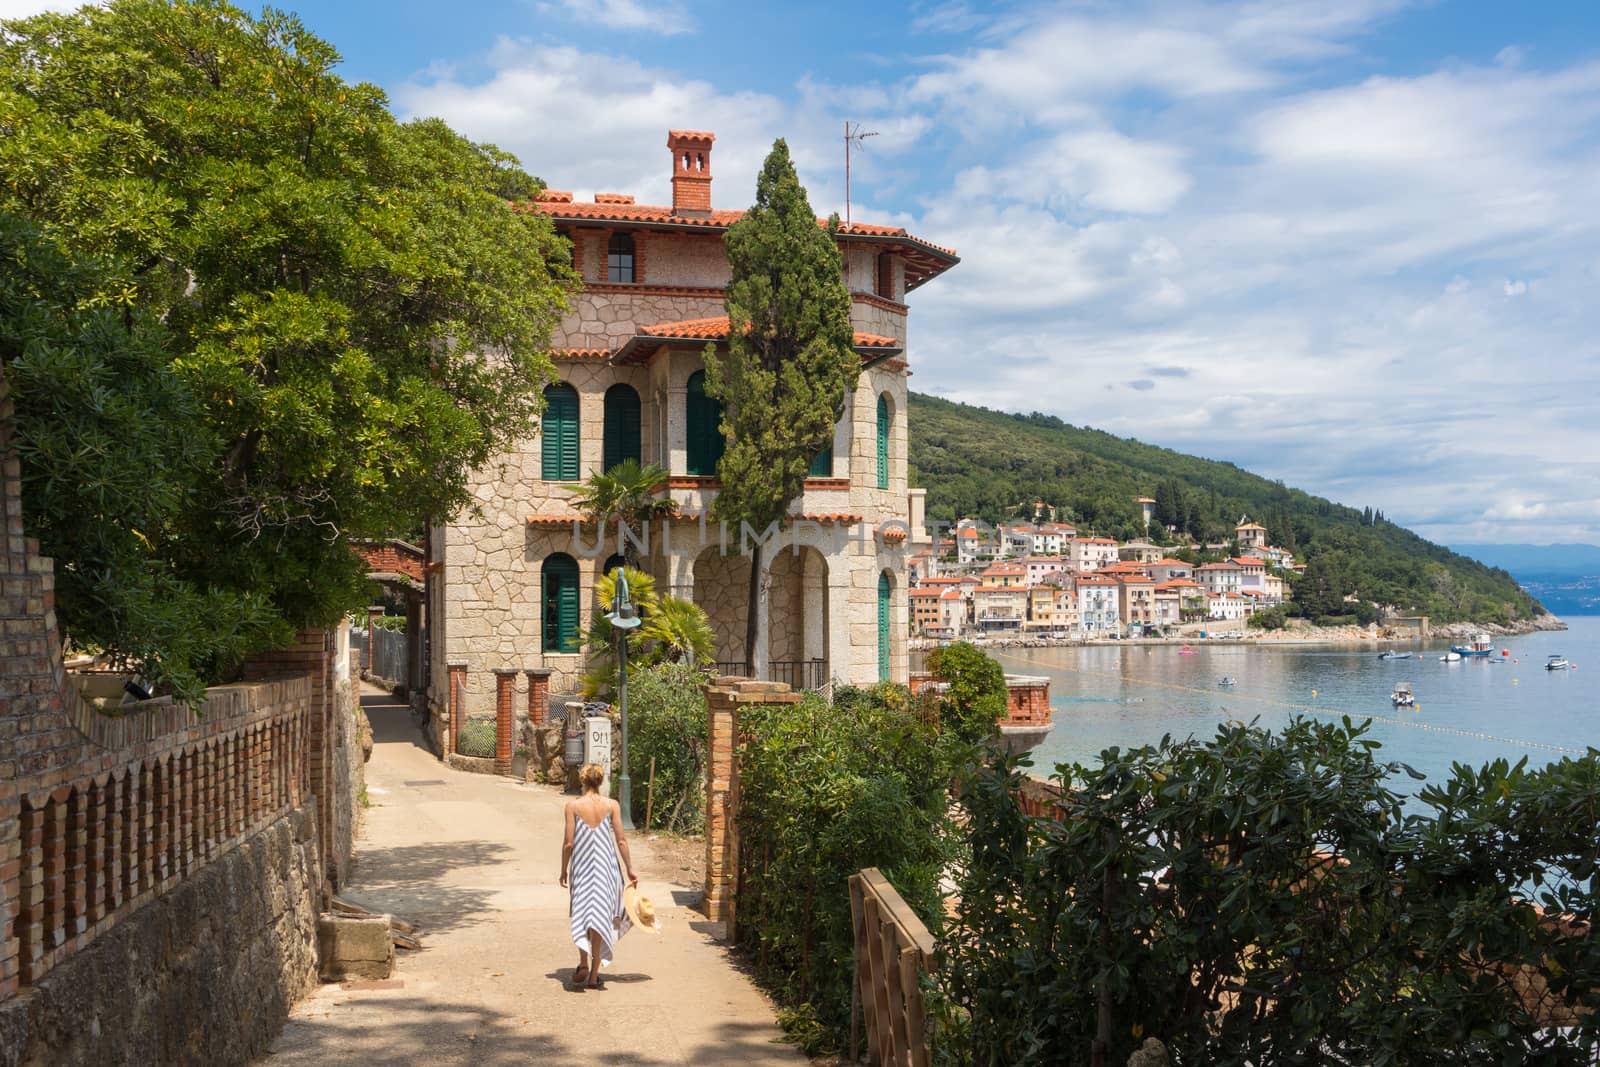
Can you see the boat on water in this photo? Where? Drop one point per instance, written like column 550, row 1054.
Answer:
column 1450, row 657
column 1402, row 696
column 1480, row 645
column 1557, row 662
column 1391, row 654
column 1186, row 651
column 1226, row 680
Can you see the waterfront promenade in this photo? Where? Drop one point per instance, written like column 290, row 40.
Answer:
column 474, row 860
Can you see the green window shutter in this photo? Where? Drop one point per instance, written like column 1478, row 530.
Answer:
column 560, row 603
column 883, row 627
column 621, row 427
column 704, row 419
column 822, row 466
column 883, row 442
column 559, row 430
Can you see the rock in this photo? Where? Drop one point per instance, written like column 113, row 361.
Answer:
column 1150, row 1054
column 353, row 947
column 556, row 772
column 364, row 733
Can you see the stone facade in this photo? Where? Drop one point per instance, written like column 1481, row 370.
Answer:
column 486, row 600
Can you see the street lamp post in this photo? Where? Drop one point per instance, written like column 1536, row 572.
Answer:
column 623, row 618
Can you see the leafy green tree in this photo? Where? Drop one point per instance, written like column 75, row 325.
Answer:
column 789, row 364
column 112, row 451
column 357, row 311
column 624, row 494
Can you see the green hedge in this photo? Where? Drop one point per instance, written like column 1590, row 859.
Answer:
column 667, row 721
column 477, row 738
column 824, row 792
column 1267, row 898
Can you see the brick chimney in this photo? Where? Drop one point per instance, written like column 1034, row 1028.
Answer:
column 691, row 172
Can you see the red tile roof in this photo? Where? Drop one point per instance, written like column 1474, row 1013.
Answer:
column 580, row 353
column 924, row 259
column 650, row 338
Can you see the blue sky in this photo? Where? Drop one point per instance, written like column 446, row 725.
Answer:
column 1349, row 245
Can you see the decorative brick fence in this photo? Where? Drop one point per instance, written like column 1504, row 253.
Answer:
column 161, row 870
column 724, row 698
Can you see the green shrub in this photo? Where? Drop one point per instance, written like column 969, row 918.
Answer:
column 667, row 720
column 975, row 695
column 1272, row 618
column 1268, row 899
column 477, row 738
column 1336, row 620
column 824, row 792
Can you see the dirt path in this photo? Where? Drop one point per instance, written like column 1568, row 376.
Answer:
column 474, row 860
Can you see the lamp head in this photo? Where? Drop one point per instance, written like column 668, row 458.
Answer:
column 622, row 614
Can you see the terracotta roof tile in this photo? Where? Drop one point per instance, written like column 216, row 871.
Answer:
column 580, row 353
column 716, row 328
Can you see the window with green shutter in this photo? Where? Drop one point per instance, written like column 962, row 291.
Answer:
column 621, row 426
column 822, row 466
column 704, row 421
column 883, row 626
column 560, row 574
column 559, row 430
column 883, row 441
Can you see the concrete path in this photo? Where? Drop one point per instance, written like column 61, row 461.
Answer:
column 474, row 860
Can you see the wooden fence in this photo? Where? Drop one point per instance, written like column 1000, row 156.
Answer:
column 893, row 950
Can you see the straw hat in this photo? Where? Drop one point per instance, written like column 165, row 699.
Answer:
column 640, row 910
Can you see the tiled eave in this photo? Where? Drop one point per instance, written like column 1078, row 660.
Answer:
column 651, row 339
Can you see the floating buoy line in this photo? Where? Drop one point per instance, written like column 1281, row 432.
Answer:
column 1332, row 713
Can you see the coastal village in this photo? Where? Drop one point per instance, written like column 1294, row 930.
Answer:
column 1041, row 580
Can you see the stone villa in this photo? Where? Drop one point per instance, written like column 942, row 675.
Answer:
column 512, row 587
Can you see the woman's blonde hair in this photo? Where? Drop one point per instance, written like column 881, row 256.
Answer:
column 591, row 775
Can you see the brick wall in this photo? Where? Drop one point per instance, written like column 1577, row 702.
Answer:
column 1027, row 702
column 724, row 698
column 101, row 816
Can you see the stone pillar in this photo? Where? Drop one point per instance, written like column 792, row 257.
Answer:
column 374, row 612
column 763, row 606
column 538, row 695
column 723, row 700
column 457, row 677
column 414, row 646
column 505, row 687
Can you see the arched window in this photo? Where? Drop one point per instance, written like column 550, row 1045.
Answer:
column 560, row 573
column 560, row 433
column 613, row 561
column 619, row 258
column 704, row 419
column 883, row 440
column 621, row 436
column 884, row 588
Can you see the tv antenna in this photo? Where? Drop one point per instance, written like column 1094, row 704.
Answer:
column 853, row 134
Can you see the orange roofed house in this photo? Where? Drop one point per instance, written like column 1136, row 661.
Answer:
column 514, row 587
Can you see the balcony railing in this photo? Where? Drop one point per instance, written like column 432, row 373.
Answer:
column 795, row 673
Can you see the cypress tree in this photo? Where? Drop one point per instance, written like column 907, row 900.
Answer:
column 789, row 362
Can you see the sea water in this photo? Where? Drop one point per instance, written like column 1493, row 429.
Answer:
column 1471, row 711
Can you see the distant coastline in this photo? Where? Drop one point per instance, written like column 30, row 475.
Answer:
column 1294, row 635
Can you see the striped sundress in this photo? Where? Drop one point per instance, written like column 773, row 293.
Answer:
column 596, row 883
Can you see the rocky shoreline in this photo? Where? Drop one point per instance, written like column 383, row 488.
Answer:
column 1301, row 635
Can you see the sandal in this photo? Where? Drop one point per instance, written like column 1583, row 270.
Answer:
column 580, row 974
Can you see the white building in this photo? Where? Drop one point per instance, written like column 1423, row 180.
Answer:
column 1099, row 611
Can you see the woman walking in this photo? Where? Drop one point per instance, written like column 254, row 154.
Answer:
column 589, row 852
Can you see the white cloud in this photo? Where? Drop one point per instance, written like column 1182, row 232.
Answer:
column 23, row 9
column 668, row 19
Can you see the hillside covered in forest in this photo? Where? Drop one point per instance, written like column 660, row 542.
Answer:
column 990, row 464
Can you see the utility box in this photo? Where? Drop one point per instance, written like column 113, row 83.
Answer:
column 597, row 746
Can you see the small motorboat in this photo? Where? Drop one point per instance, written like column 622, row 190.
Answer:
column 1481, row 645
column 1450, row 657
column 1402, row 696
column 1186, row 651
column 1226, row 680
column 1557, row 662
column 1391, row 654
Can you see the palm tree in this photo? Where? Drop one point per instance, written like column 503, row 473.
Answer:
column 624, row 494
column 682, row 630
